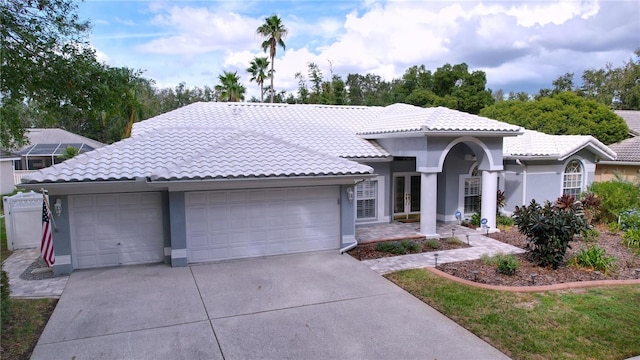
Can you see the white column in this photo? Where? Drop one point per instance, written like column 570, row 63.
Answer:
column 428, row 201
column 489, row 197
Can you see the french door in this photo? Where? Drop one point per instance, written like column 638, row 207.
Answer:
column 406, row 196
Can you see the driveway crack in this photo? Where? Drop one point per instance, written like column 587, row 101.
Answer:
column 207, row 312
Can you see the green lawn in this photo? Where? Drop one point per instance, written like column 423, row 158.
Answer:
column 596, row 323
column 27, row 318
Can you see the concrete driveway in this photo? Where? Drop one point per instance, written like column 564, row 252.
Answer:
column 308, row 306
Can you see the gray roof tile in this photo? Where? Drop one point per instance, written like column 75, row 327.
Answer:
column 632, row 118
column 627, row 150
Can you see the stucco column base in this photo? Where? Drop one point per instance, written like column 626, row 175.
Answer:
column 428, row 201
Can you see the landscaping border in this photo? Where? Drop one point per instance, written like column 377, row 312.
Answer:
column 539, row 288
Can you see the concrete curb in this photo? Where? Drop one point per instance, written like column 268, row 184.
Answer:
column 541, row 288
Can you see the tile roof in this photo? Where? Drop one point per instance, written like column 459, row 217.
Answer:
column 537, row 144
column 324, row 128
column 628, row 150
column 196, row 153
column 402, row 118
column 252, row 140
column 632, row 118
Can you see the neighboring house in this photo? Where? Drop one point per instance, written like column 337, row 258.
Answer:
column 216, row 181
column 46, row 146
column 632, row 118
column 627, row 164
column 7, row 184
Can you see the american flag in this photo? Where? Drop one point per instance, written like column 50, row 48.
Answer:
column 46, row 246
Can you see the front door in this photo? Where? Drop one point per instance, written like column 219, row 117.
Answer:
column 406, row 196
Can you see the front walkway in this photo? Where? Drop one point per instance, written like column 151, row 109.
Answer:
column 17, row 263
column 480, row 245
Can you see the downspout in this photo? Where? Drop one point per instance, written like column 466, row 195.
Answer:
column 524, row 181
column 350, row 246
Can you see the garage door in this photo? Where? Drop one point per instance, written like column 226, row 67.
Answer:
column 237, row 224
column 116, row 229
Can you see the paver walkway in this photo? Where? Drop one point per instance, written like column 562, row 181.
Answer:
column 45, row 288
column 480, row 245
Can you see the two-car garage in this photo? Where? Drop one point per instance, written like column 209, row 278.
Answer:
column 128, row 228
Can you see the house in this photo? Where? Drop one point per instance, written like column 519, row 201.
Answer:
column 627, row 164
column 7, row 184
column 46, row 146
column 217, row 181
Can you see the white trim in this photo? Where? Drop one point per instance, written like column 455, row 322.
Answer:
column 178, row 253
column 63, row 260
column 583, row 173
column 471, row 139
column 167, row 251
column 405, row 175
column 447, row 218
column 348, row 239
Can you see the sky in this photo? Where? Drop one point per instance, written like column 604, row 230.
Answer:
column 520, row 45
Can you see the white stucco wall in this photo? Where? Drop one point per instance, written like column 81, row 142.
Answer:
column 6, row 177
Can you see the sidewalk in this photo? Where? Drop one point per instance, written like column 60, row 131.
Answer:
column 16, row 264
column 480, row 245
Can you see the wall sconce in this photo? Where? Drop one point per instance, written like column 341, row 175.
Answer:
column 350, row 194
column 58, row 207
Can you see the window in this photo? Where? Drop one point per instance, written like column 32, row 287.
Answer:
column 472, row 187
column 572, row 179
column 366, row 193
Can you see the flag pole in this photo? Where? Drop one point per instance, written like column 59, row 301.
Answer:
column 46, row 201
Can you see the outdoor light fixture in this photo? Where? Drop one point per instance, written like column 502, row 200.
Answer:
column 467, row 235
column 436, row 255
column 475, row 275
column 58, row 207
column 350, row 193
column 533, row 278
column 637, row 273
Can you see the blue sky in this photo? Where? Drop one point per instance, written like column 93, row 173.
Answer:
column 522, row 46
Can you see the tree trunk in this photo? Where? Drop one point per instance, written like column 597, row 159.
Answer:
column 272, row 90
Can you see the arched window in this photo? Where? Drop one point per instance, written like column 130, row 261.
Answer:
column 572, row 179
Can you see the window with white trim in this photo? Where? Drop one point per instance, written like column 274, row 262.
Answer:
column 366, row 195
column 472, row 189
column 572, row 178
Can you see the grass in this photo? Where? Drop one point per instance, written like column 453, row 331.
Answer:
column 596, row 323
column 27, row 318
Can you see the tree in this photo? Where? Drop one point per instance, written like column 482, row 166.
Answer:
column 273, row 32
column 257, row 69
column 40, row 42
column 230, row 88
column 564, row 113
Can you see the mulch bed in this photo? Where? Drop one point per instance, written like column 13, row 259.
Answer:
column 368, row 251
column 627, row 261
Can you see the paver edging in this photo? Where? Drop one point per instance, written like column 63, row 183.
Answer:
column 539, row 288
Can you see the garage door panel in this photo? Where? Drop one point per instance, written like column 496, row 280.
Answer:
column 118, row 229
column 262, row 222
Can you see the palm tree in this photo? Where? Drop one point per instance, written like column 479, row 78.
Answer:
column 230, row 88
column 258, row 73
column 273, row 32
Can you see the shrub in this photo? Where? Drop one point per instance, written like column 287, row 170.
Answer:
column 410, row 246
column 631, row 237
column 489, row 260
column 629, row 219
column 549, row 229
column 613, row 227
column 590, row 234
column 5, row 291
column 591, row 204
column 595, row 258
column 398, row 247
column 432, row 244
column 507, row 264
column 504, row 221
column 615, row 197
column 454, row 241
column 475, row 219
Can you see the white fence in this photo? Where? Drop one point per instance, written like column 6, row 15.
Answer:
column 23, row 220
column 18, row 174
